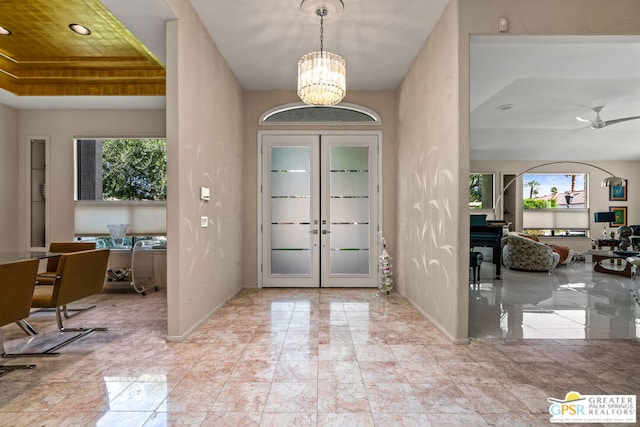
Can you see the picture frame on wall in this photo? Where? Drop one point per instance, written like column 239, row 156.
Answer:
column 621, row 216
column 618, row 192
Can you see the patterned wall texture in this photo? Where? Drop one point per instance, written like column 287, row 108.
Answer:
column 205, row 139
column 428, row 206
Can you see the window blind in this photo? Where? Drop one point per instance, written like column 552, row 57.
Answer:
column 545, row 219
column 145, row 218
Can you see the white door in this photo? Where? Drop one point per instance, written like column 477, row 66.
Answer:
column 319, row 205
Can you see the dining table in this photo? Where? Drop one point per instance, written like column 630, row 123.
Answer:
column 8, row 257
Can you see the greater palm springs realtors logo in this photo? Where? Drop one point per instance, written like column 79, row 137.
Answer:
column 575, row 408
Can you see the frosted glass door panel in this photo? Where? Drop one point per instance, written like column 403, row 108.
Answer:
column 290, row 159
column 350, row 158
column 290, row 262
column 349, row 262
column 350, row 183
column 349, row 209
column 290, row 184
column 290, row 210
column 290, row 237
column 350, row 236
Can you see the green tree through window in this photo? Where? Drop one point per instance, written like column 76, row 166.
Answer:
column 481, row 190
column 134, row 169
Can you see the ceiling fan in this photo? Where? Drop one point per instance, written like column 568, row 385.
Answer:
column 598, row 123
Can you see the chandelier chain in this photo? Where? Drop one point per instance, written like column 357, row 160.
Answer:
column 321, row 33
column 322, row 12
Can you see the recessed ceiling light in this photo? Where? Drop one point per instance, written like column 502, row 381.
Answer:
column 5, row 31
column 80, row 29
column 505, row 107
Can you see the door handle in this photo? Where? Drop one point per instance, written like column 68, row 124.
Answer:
column 313, row 231
column 326, row 231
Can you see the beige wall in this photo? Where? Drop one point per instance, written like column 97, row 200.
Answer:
column 204, row 148
column 61, row 126
column 431, row 158
column 257, row 102
column 9, row 171
column 549, row 17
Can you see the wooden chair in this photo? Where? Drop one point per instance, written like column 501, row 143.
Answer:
column 79, row 275
column 17, row 280
column 48, row 276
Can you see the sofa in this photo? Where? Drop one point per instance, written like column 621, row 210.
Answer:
column 524, row 253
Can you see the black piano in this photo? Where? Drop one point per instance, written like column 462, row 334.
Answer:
column 488, row 234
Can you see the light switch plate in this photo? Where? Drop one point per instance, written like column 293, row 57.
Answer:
column 204, row 193
column 204, row 221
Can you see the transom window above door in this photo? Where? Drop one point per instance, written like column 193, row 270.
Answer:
column 301, row 114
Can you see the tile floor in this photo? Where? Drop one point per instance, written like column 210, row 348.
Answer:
column 286, row 357
column 574, row 302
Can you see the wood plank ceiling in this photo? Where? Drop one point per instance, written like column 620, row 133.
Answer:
column 43, row 57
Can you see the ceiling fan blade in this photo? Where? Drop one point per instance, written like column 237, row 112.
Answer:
column 583, row 120
column 624, row 119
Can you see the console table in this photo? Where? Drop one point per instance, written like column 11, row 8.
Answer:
column 145, row 265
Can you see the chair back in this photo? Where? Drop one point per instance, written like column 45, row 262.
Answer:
column 66, row 247
column 82, row 274
column 17, row 280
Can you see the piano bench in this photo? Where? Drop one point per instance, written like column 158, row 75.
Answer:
column 475, row 261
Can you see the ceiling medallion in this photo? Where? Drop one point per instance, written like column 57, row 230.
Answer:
column 322, row 75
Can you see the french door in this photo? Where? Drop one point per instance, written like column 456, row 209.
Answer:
column 319, row 210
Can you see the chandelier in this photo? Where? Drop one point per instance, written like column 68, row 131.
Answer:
column 321, row 75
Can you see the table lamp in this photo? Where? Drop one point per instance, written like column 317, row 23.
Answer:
column 605, row 217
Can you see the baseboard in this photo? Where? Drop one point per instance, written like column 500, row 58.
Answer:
column 181, row 338
column 454, row 340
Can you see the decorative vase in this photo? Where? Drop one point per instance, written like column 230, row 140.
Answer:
column 118, row 232
column 43, row 191
column 385, row 270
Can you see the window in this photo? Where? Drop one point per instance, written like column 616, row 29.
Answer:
column 120, row 181
column 121, row 169
column 481, row 191
column 300, row 113
column 555, row 204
